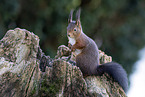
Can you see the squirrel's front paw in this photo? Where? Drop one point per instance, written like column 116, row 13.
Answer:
column 69, row 45
column 72, row 49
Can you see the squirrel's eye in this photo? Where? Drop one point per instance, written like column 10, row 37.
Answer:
column 75, row 29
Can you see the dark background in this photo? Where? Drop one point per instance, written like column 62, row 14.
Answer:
column 117, row 26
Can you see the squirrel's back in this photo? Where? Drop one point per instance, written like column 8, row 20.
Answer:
column 88, row 59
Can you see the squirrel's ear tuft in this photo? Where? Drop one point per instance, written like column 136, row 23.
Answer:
column 78, row 16
column 70, row 16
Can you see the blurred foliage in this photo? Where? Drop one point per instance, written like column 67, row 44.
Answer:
column 116, row 26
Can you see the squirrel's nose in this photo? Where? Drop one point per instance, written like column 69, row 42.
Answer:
column 68, row 35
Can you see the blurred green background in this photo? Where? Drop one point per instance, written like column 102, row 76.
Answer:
column 117, row 26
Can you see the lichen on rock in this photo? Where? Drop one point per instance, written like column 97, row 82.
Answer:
column 19, row 72
column 26, row 71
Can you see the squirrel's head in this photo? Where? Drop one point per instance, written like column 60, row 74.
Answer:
column 74, row 28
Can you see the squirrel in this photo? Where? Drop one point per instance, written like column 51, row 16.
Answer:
column 87, row 54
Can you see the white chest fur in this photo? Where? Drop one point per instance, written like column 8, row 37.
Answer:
column 78, row 51
column 72, row 41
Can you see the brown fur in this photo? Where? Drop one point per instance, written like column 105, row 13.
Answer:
column 89, row 50
column 88, row 59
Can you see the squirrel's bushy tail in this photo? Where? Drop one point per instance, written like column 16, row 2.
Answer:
column 116, row 71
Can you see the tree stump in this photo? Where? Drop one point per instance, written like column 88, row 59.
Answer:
column 25, row 71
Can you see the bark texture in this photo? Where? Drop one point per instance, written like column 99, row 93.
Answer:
column 25, row 71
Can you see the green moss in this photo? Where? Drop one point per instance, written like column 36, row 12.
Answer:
column 33, row 92
column 50, row 87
